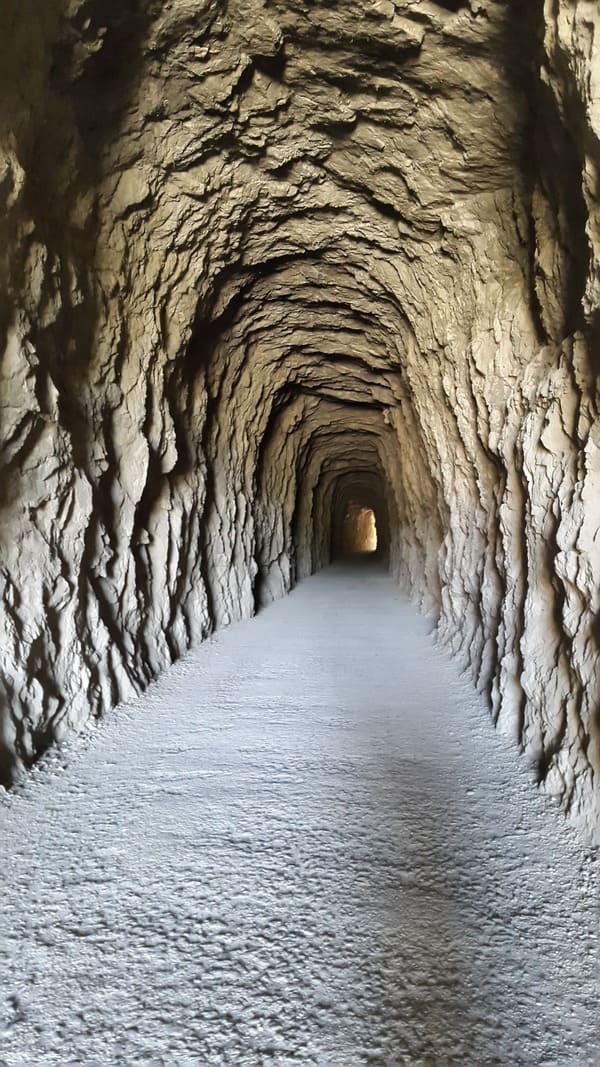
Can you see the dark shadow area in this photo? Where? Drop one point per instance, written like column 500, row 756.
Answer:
column 551, row 152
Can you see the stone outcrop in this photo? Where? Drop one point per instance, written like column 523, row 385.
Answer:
column 264, row 260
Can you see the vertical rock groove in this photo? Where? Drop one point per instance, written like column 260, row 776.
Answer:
column 265, row 261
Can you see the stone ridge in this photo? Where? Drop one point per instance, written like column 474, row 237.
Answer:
column 260, row 257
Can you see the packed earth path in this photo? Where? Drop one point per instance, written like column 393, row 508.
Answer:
column 304, row 844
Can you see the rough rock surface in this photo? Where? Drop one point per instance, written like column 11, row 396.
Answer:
column 261, row 259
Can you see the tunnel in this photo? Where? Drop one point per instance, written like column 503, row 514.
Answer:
column 287, row 287
column 359, row 515
column 359, row 531
column 294, row 264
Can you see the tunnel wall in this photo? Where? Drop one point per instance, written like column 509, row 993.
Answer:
column 281, row 251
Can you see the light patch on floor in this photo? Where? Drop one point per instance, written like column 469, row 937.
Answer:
column 305, row 844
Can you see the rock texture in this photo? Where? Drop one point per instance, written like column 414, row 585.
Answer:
column 265, row 260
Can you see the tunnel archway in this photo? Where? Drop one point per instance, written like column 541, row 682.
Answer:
column 360, row 515
column 359, row 530
column 286, row 256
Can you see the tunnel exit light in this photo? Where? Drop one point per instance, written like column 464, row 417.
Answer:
column 360, row 529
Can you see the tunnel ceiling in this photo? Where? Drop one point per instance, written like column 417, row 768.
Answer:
column 263, row 258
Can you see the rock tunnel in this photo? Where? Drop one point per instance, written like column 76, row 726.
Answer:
column 266, row 265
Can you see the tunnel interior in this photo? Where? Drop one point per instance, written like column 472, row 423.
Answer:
column 293, row 271
column 359, row 530
column 360, row 517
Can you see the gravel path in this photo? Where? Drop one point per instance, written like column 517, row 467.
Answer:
column 305, row 844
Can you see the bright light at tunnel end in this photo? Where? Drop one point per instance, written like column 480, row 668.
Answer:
column 360, row 530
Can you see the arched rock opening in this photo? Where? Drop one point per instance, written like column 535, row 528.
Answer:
column 359, row 531
column 286, row 249
column 360, row 516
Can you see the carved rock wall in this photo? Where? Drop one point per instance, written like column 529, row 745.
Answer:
column 264, row 260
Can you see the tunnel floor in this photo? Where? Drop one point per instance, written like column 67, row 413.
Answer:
column 304, row 844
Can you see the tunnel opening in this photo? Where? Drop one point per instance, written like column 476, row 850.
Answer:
column 360, row 516
column 359, row 531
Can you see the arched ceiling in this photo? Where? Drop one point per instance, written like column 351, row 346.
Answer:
column 265, row 254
